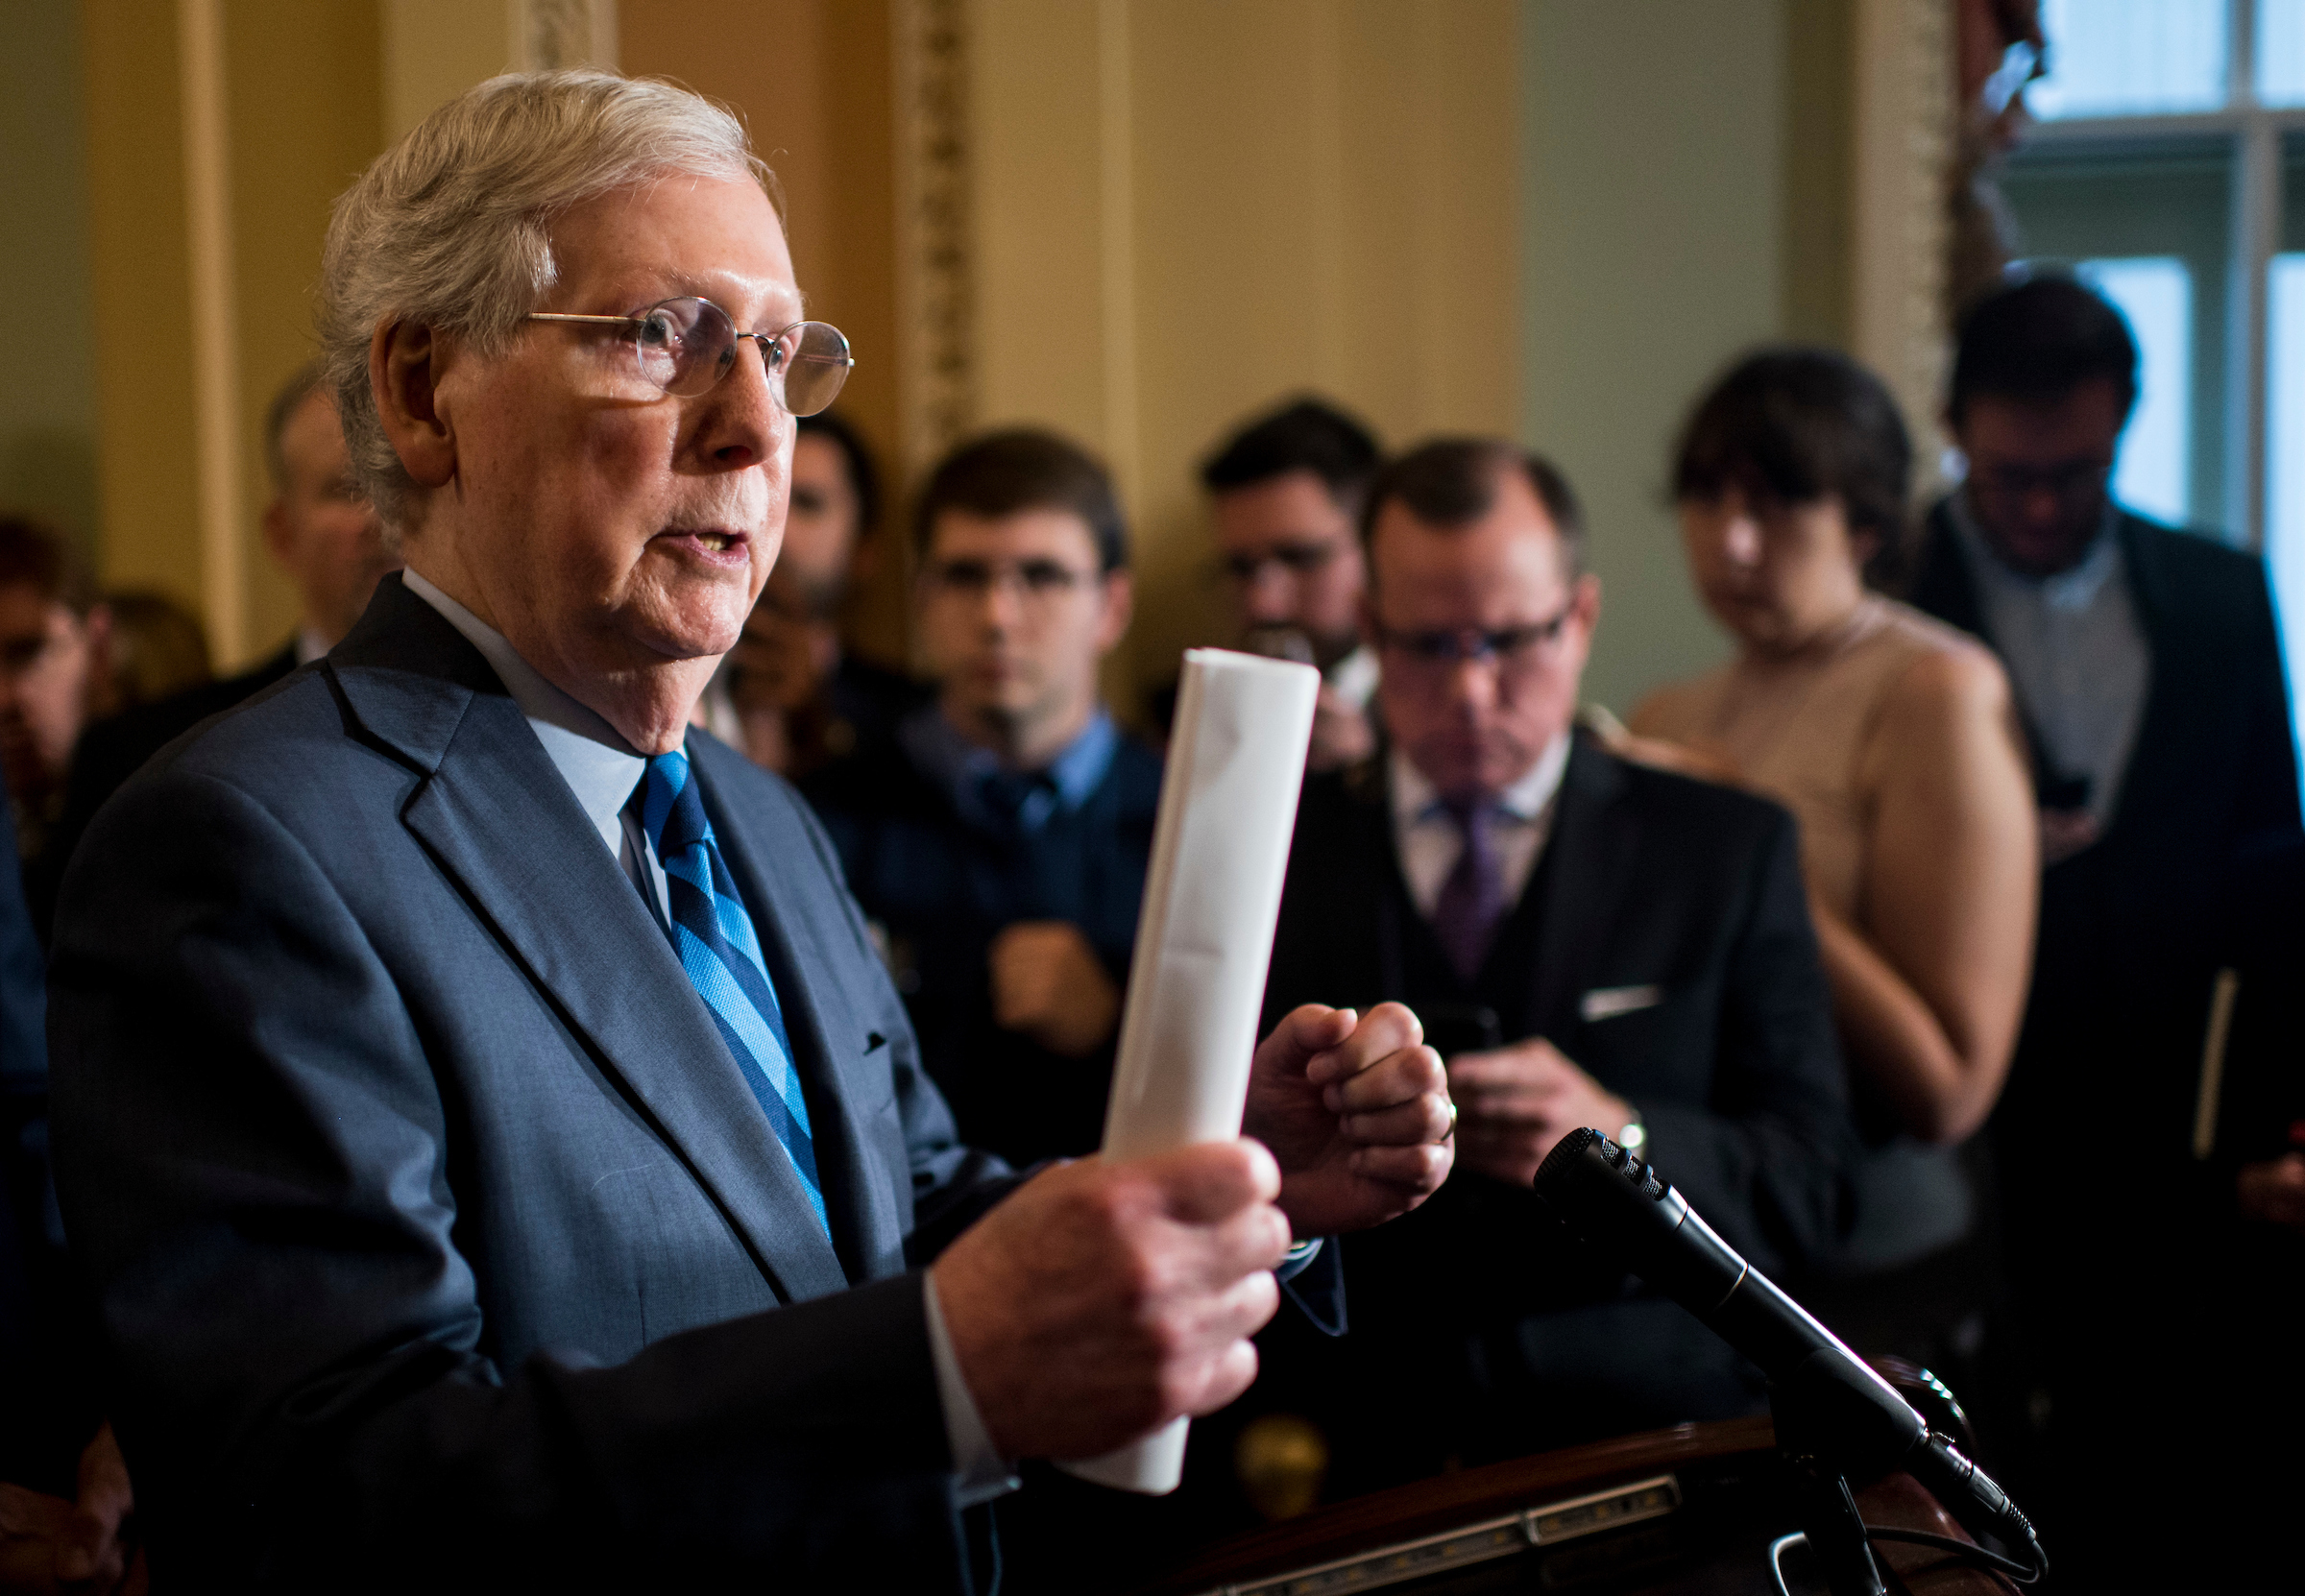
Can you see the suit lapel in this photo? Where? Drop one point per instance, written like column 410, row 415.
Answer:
column 773, row 860
column 495, row 814
column 1592, row 847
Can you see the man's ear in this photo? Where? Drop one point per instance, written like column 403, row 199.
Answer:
column 404, row 366
column 1120, row 608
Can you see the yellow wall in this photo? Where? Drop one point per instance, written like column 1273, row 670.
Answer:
column 1189, row 210
column 48, row 408
column 304, row 105
column 148, row 535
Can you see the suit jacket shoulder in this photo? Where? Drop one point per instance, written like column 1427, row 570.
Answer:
column 428, row 1215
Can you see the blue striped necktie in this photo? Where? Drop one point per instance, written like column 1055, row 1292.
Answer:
column 721, row 954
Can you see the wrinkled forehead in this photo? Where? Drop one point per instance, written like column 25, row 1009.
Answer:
column 1505, row 562
column 674, row 235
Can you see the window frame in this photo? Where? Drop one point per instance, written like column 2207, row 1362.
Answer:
column 2254, row 134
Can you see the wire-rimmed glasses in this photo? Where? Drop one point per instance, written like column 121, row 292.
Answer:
column 683, row 346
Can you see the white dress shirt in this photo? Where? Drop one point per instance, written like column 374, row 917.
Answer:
column 1429, row 841
column 603, row 769
column 2076, row 654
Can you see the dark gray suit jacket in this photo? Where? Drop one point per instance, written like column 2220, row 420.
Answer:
column 433, row 1229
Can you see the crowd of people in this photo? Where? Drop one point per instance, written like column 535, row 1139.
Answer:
column 1940, row 946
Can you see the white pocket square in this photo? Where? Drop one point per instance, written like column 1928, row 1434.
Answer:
column 1607, row 1003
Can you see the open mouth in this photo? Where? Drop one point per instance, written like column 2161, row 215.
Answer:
column 716, row 544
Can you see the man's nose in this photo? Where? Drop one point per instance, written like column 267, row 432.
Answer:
column 1003, row 606
column 740, row 423
column 1270, row 596
column 1740, row 542
column 1473, row 682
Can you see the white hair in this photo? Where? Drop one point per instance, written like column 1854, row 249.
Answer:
column 450, row 227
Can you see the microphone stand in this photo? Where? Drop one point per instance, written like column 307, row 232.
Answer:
column 1822, row 1499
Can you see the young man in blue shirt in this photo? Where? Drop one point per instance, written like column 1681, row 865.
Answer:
column 1000, row 846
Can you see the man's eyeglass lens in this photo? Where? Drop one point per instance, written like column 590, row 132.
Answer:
column 2079, row 480
column 686, row 346
column 1297, row 559
column 1037, row 578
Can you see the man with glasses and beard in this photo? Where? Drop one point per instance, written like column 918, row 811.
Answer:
column 1282, row 495
column 1000, row 847
column 1590, row 942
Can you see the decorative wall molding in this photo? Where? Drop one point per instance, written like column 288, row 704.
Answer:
column 935, row 290
column 1904, row 164
column 546, row 34
column 214, row 325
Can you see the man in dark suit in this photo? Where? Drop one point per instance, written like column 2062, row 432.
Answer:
column 2146, row 668
column 1590, row 942
column 326, row 538
column 497, row 1155
column 1000, row 840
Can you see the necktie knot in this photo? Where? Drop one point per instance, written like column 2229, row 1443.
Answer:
column 1018, row 798
column 671, row 812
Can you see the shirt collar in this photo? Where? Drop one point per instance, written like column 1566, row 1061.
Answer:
column 600, row 767
column 2073, row 588
column 1414, row 799
column 959, row 766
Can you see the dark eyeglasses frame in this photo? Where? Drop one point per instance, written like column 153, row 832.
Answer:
column 1298, row 560
column 1047, row 580
column 1450, row 646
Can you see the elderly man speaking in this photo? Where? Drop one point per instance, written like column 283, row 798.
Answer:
column 495, row 1152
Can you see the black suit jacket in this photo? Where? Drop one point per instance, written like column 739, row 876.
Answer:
column 433, row 1228
column 2202, row 847
column 1649, row 881
column 115, row 748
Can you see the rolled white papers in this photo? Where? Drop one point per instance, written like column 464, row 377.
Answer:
column 1212, row 896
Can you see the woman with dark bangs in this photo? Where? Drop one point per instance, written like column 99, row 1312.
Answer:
column 1892, row 739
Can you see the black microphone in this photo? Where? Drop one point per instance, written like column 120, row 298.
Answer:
column 1841, row 1408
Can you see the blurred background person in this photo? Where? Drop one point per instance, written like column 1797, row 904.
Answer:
column 2147, row 673
column 55, row 678
column 1891, row 738
column 1589, row 942
column 791, row 694
column 158, row 649
column 999, row 841
column 327, row 539
column 64, row 1495
column 1284, row 495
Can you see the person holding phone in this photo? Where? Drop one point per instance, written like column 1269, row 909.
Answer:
column 1590, row 942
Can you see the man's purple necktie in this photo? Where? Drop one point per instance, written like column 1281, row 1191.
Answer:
column 1472, row 899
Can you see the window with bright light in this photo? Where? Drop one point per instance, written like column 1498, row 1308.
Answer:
column 2132, row 57
column 2155, row 293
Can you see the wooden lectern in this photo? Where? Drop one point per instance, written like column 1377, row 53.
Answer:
column 1693, row 1509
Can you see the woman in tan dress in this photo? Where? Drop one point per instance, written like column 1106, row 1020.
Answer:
column 1892, row 739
